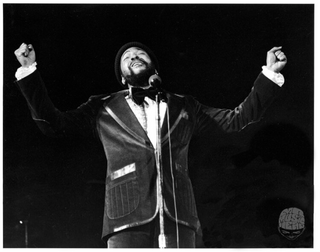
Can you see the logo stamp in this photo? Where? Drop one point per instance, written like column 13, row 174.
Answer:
column 291, row 223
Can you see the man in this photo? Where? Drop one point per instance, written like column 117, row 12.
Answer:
column 125, row 125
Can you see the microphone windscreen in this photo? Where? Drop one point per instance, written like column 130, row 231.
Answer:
column 155, row 80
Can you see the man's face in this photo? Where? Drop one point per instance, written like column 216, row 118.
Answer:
column 291, row 234
column 136, row 67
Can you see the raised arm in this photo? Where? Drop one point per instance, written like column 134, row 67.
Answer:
column 264, row 91
column 50, row 120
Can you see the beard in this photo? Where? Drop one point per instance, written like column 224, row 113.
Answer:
column 141, row 79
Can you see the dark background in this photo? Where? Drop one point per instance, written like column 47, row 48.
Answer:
column 242, row 181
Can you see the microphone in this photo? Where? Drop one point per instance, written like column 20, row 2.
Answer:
column 155, row 81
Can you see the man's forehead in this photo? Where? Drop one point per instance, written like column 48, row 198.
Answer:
column 134, row 48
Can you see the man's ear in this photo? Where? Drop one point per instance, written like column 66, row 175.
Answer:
column 123, row 81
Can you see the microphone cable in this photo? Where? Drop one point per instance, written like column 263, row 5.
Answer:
column 172, row 178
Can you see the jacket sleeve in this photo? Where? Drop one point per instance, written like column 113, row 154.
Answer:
column 49, row 119
column 249, row 111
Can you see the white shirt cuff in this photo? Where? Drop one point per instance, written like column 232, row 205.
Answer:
column 25, row 71
column 277, row 78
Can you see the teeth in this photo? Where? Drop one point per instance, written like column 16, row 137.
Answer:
column 137, row 64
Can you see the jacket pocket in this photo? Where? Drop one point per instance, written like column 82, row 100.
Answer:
column 122, row 198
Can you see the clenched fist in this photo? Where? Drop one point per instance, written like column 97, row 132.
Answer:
column 25, row 55
column 276, row 59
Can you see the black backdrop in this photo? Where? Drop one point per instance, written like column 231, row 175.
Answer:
column 242, row 182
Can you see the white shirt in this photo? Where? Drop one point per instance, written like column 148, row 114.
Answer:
column 150, row 107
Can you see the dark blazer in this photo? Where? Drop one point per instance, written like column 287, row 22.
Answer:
column 131, row 193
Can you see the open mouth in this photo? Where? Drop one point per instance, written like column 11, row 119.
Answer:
column 137, row 64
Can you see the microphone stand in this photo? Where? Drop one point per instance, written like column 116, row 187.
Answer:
column 162, row 239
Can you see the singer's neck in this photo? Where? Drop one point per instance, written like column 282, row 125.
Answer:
column 143, row 87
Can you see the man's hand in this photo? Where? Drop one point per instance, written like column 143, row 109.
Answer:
column 276, row 59
column 25, row 55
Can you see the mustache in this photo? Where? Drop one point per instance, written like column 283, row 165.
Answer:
column 141, row 78
column 138, row 60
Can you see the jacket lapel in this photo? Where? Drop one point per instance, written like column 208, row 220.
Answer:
column 175, row 109
column 119, row 109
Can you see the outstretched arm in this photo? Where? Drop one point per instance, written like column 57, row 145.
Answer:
column 49, row 119
column 253, row 107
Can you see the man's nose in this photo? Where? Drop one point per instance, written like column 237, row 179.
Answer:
column 134, row 57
